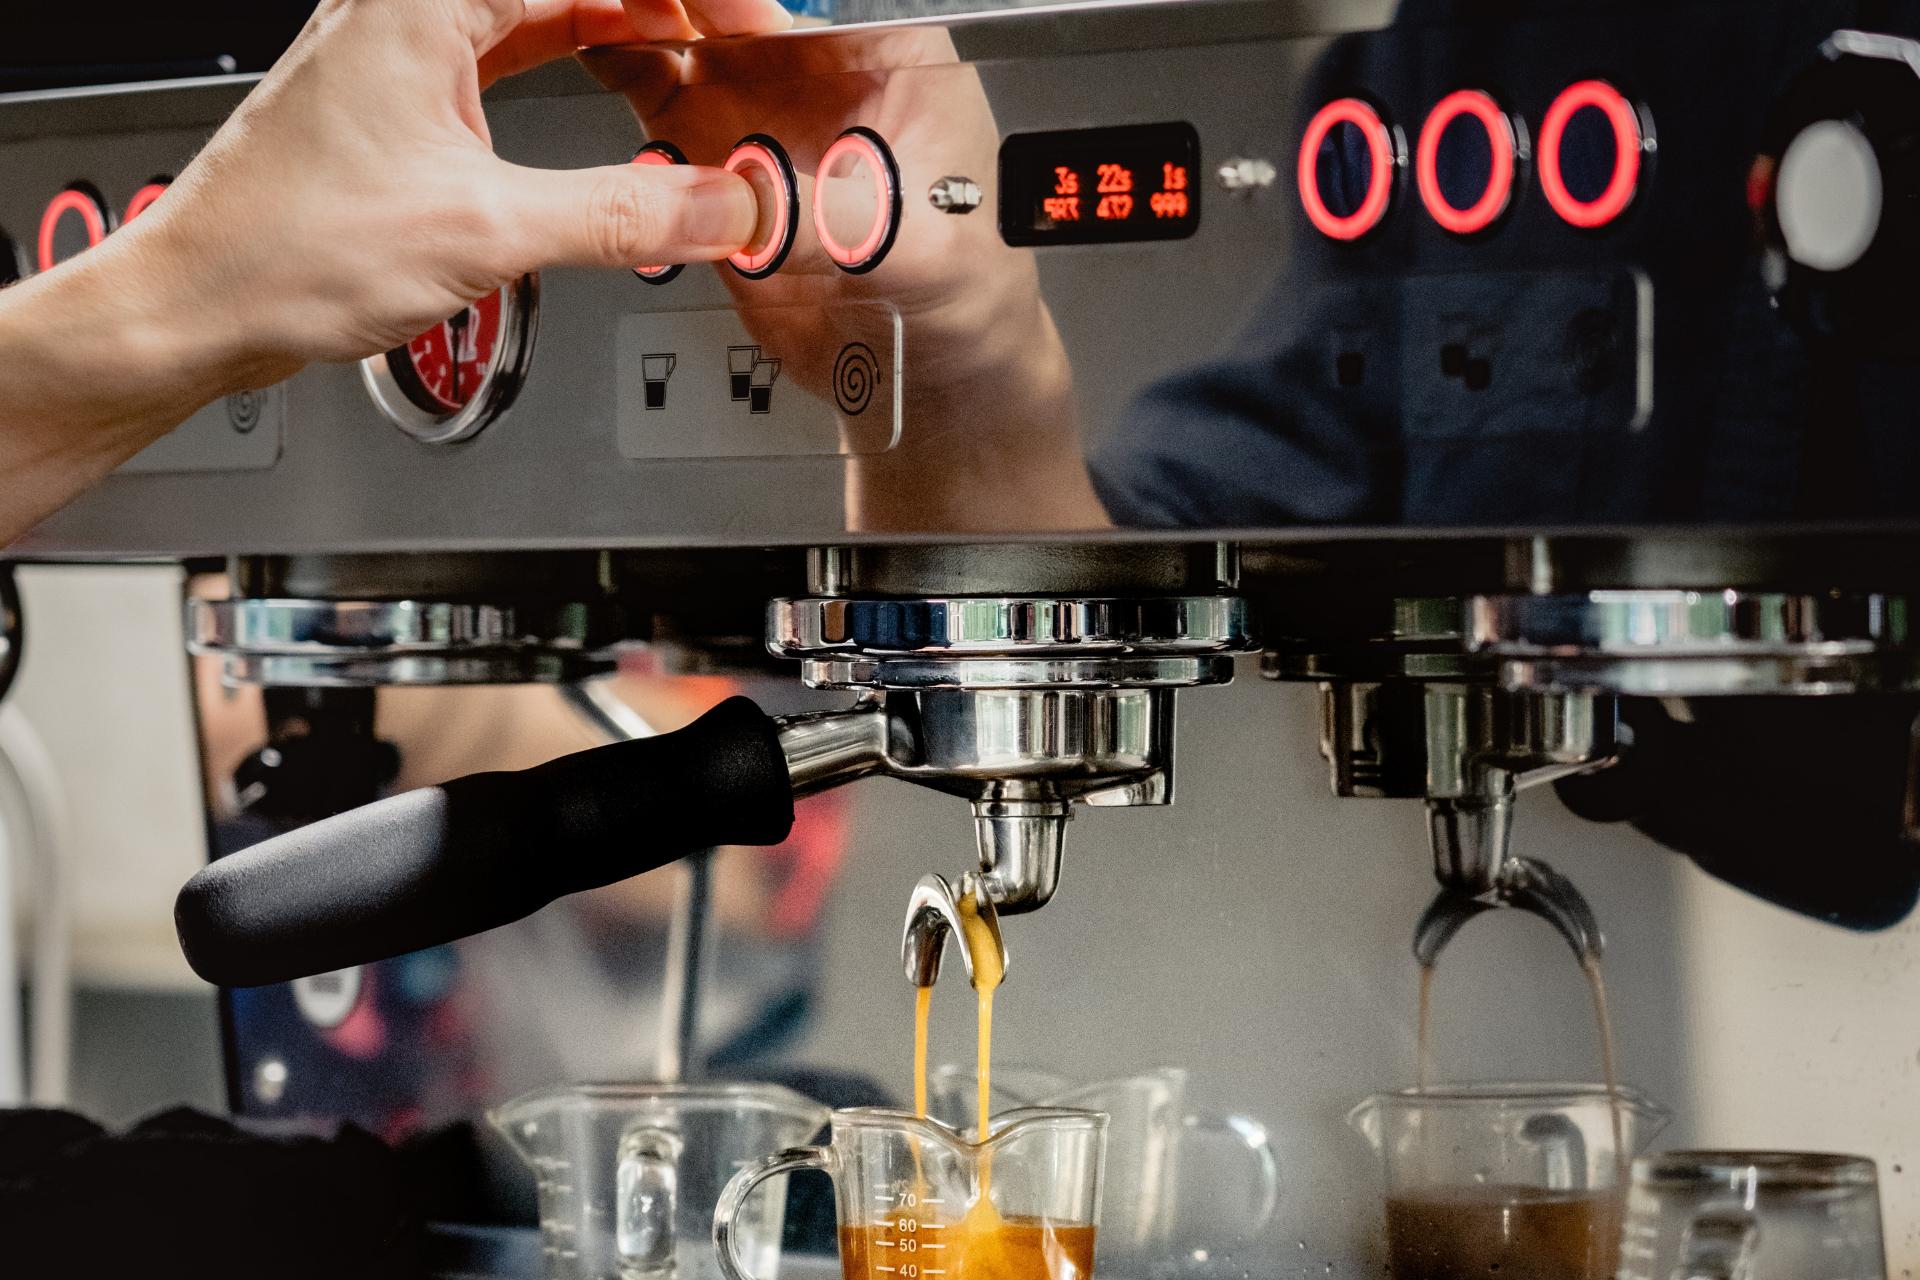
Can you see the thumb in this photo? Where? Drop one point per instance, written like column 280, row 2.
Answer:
column 627, row 214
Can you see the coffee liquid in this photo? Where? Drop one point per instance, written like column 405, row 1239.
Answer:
column 1511, row 1232
column 1503, row 1233
column 922, row 1017
column 1422, row 1044
column 987, row 974
column 1597, row 991
column 1015, row 1249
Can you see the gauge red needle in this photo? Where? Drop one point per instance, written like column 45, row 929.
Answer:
column 451, row 359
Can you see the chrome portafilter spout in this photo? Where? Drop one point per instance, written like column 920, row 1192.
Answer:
column 933, row 914
column 1483, row 745
column 1410, row 710
column 1527, row 884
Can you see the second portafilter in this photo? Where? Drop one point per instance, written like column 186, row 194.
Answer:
column 1409, row 711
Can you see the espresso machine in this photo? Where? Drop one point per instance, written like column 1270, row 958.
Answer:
column 1533, row 390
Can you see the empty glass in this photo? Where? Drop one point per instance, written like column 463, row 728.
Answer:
column 1753, row 1215
column 628, row 1175
column 1518, row 1181
column 1180, row 1184
column 917, row 1201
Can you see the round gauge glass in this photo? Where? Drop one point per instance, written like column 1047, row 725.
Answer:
column 449, row 382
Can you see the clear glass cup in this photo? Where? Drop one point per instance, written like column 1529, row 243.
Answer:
column 628, row 1174
column 1518, row 1181
column 917, row 1201
column 1753, row 1215
column 1181, row 1185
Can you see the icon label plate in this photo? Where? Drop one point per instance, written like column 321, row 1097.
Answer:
column 766, row 382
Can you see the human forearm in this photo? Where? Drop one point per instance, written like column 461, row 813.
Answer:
column 102, row 355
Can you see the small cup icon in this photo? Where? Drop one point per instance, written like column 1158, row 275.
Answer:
column 740, row 362
column 654, row 371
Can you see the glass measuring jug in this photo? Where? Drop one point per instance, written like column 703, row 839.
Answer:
column 628, row 1175
column 1518, row 1181
column 917, row 1201
column 1180, row 1184
column 1752, row 1215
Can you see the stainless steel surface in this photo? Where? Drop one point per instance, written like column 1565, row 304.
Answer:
column 1022, row 705
column 1688, row 643
column 610, row 715
column 954, row 194
column 426, row 642
column 823, row 626
column 827, row 748
column 1527, row 884
column 1141, row 343
column 12, row 629
column 933, row 916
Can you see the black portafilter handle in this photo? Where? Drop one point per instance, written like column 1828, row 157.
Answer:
column 430, row 866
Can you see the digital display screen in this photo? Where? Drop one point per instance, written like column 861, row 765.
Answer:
column 1100, row 186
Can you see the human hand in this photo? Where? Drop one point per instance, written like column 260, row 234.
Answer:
column 354, row 198
column 352, row 201
column 992, row 437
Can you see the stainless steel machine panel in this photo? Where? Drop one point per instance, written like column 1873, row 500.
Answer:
column 1549, row 304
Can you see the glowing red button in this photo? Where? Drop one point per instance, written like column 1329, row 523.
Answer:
column 1381, row 160
column 764, row 163
column 1628, row 141
column 857, row 194
column 1501, row 141
column 80, row 205
column 658, row 153
column 144, row 197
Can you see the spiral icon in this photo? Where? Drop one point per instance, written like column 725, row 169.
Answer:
column 854, row 374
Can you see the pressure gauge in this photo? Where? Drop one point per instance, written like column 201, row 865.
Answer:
column 451, row 381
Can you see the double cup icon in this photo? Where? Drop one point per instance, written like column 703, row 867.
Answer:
column 750, row 377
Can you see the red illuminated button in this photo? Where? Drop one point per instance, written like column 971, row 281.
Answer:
column 763, row 163
column 856, row 200
column 441, row 370
column 144, row 197
column 661, row 153
column 1503, row 145
column 1383, row 156
column 1628, row 141
column 74, row 220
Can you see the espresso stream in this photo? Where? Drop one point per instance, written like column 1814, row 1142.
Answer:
column 981, row 1245
column 1495, row 1232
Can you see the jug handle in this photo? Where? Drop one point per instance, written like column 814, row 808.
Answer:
column 648, row 1182
column 734, row 1199
column 1718, row 1244
column 1244, row 1133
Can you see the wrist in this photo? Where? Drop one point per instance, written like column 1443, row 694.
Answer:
column 107, row 352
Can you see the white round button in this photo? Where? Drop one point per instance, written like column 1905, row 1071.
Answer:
column 1828, row 196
